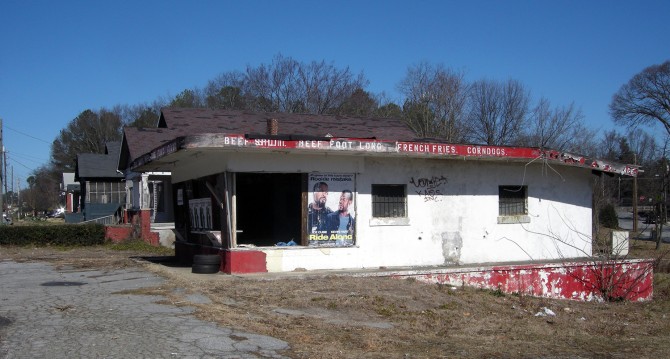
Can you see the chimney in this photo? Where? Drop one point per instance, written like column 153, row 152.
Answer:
column 273, row 126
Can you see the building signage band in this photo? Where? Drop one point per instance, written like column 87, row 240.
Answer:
column 427, row 148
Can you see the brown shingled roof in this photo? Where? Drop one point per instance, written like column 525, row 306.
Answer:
column 176, row 122
column 197, row 120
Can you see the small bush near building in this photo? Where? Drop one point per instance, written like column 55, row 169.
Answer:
column 608, row 217
column 54, row 235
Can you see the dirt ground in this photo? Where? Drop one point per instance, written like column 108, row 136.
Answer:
column 328, row 316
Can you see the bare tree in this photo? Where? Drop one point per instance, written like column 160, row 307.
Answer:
column 327, row 87
column 496, row 112
column 226, row 92
column 645, row 99
column 643, row 145
column 434, row 101
column 275, row 86
column 609, row 146
column 287, row 85
column 359, row 103
column 191, row 98
column 558, row 128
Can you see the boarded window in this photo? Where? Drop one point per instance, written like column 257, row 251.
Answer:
column 512, row 200
column 389, row 200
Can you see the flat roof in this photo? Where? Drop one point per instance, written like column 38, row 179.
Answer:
column 168, row 155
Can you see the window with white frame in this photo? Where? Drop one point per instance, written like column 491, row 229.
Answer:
column 105, row 192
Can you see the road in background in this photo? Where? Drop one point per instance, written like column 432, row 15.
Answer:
column 645, row 229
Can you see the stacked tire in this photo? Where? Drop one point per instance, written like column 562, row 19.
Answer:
column 206, row 263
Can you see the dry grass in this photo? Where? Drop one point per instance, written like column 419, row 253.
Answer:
column 344, row 317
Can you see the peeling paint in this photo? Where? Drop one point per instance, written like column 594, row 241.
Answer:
column 630, row 280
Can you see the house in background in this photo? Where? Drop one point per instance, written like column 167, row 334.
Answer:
column 103, row 192
column 72, row 191
column 149, row 199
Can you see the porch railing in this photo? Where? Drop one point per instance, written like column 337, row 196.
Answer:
column 106, row 220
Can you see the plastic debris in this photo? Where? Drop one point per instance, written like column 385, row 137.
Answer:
column 545, row 312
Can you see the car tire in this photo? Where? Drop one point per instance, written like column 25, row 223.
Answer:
column 205, row 269
column 207, row 259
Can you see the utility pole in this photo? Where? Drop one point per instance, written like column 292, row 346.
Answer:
column 5, row 170
column 18, row 185
column 2, row 148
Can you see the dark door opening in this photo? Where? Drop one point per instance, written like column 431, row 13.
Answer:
column 269, row 208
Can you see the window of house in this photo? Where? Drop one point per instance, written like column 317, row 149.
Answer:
column 389, row 204
column 105, row 192
column 512, row 204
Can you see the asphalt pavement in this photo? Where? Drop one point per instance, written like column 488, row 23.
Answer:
column 645, row 229
column 73, row 313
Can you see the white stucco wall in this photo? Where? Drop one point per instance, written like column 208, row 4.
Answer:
column 458, row 224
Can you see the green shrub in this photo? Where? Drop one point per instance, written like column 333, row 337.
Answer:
column 608, row 217
column 55, row 235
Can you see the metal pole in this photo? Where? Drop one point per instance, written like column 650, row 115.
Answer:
column 2, row 205
column 19, row 204
column 635, row 201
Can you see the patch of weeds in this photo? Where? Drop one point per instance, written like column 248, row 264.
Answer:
column 139, row 246
column 62, row 248
column 442, row 287
column 318, row 299
column 331, row 305
column 377, row 299
column 498, row 293
column 428, row 313
column 387, row 310
column 448, row 306
column 382, row 308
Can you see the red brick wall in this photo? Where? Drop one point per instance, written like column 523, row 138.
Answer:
column 145, row 228
column 142, row 219
column 118, row 233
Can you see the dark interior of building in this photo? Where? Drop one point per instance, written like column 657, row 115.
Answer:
column 269, row 208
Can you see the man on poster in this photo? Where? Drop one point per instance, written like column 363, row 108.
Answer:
column 341, row 223
column 317, row 211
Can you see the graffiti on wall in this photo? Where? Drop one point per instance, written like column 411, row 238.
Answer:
column 429, row 188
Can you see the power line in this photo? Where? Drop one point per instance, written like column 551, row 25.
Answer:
column 12, row 155
column 19, row 163
column 27, row 135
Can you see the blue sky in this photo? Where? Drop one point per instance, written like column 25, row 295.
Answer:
column 59, row 58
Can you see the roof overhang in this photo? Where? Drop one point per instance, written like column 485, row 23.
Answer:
column 171, row 154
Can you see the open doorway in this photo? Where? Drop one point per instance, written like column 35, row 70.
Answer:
column 268, row 208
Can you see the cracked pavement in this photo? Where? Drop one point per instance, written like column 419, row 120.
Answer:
column 74, row 313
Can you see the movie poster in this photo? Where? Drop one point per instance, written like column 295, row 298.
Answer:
column 331, row 217
column 200, row 211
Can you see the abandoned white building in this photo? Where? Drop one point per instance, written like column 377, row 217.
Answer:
column 284, row 192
